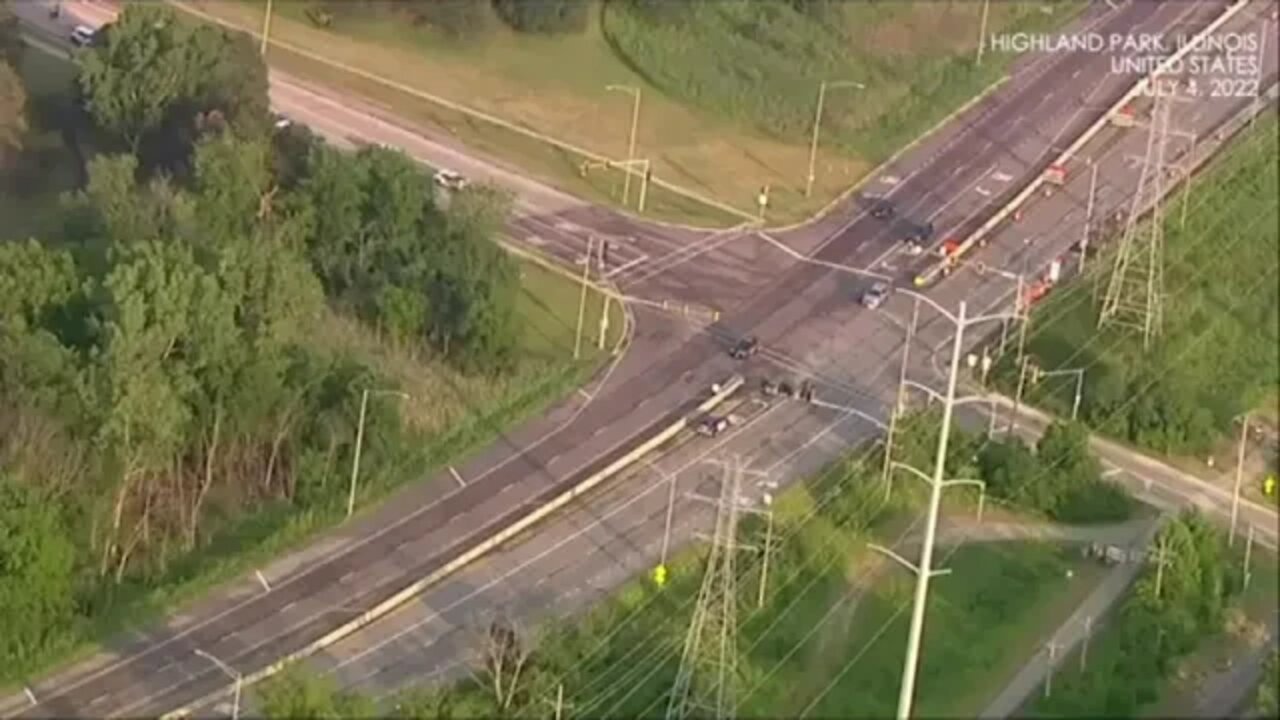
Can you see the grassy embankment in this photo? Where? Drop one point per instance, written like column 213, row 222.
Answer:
column 728, row 89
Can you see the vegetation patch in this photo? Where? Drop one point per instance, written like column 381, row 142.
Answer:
column 729, row 88
column 1219, row 355
column 186, row 340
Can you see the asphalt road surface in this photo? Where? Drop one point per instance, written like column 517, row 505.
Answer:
column 803, row 311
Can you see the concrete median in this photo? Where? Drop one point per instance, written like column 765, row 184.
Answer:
column 725, row 391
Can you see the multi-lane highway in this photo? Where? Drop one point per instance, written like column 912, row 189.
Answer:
column 795, row 291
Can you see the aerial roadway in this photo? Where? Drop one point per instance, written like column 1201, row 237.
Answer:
column 796, row 291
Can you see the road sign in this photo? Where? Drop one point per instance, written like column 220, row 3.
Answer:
column 660, row 575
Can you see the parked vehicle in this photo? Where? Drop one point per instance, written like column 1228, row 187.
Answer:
column 450, row 180
column 875, row 296
column 712, row 426
column 746, row 347
column 83, row 35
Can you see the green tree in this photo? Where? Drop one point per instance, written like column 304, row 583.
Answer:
column 130, row 81
column 296, row 693
column 37, row 594
column 1267, row 702
column 334, row 191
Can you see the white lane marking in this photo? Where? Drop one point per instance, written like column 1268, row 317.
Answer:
column 1003, row 177
column 456, row 476
column 890, row 179
column 982, row 191
column 563, row 542
column 535, row 240
column 626, row 266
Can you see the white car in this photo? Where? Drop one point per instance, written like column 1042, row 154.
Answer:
column 281, row 122
column 82, row 35
column 450, row 180
column 876, row 296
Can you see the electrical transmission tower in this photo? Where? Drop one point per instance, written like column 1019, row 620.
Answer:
column 1135, row 290
column 706, row 681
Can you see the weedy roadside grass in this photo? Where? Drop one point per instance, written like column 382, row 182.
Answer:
column 727, row 105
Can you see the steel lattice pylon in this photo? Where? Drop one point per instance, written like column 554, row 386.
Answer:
column 1135, row 290
column 708, row 674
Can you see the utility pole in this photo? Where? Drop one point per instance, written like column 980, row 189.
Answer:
column 706, row 682
column 1088, row 214
column 582, row 298
column 230, row 672
column 1248, row 552
column 1022, row 314
column 1048, row 670
column 982, row 31
column 817, row 126
column 898, row 400
column 1135, row 291
column 1075, row 401
column 355, row 459
column 1084, row 647
column 266, row 28
column 604, row 309
column 924, row 570
column 631, row 141
column 1162, row 549
column 1235, row 493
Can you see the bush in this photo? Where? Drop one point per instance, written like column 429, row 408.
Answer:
column 543, row 16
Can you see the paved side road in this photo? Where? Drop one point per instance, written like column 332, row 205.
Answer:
column 1066, row 637
column 1161, row 484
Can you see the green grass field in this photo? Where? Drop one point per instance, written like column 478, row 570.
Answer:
column 727, row 105
column 1219, row 355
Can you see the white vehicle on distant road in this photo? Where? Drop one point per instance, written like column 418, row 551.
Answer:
column 450, row 180
column 83, row 35
column 876, row 296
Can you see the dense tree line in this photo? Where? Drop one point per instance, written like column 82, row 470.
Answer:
column 13, row 95
column 1061, row 478
column 160, row 381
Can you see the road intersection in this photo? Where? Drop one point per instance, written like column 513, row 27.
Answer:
column 794, row 291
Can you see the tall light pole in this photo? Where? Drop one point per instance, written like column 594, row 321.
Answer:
column 982, row 31
column 1079, row 373
column 897, row 402
column 924, row 570
column 1235, row 494
column 582, row 298
column 355, row 460
column 817, row 126
column 1088, row 214
column 631, row 142
column 266, row 28
column 235, row 703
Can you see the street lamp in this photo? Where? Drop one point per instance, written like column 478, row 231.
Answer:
column 1235, row 493
column 924, row 570
column 631, row 142
column 1079, row 373
column 266, row 28
column 671, row 503
column 817, row 125
column 355, row 461
column 235, row 703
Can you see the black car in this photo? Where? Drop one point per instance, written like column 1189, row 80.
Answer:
column 882, row 210
column 920, row 234
column 745, row 348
